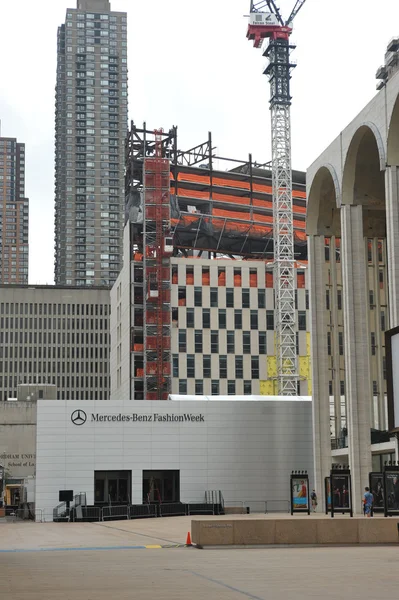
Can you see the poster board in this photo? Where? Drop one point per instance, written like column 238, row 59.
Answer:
column 299, row 493
column 341, row 492
column 391, row 489
column 376, row 485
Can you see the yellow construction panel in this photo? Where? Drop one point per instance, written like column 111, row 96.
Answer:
column 308, row 343
column 266, row 388
column 271, row 366
column 304, row 367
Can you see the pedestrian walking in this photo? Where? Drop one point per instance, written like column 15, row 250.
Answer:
column 368, row 499
column 313, row 499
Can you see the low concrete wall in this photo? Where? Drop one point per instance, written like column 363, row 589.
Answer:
column 295, row 531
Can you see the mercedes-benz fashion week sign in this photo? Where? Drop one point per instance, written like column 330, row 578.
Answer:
column 79, row 417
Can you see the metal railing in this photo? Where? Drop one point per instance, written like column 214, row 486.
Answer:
column 86, row 513
column 275, row 506
column 115, row 512
column 140, row 511
column 234, row 504
column 61, row 512
column 172, row 509
column 201, row 509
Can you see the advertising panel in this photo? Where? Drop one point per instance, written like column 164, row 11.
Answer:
column 300, row 494
column 391, row 481
column 376, row 485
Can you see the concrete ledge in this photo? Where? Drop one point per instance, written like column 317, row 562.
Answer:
column 298, row 531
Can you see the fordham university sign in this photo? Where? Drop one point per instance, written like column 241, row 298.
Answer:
column 79, row 417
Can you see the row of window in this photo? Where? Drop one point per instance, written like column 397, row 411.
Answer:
column 69, row 395
column 206, row 366
column 230, row 342
column 33, row 308
column 9, row 337
column 48, row 367
column 215, row 387
column 215, row 296
column 238, row 319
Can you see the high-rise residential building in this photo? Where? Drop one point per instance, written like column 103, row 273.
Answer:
column 14, row 213
column 91, row 125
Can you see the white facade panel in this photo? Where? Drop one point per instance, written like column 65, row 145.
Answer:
column 246, row 449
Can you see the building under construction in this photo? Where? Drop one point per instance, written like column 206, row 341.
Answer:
column 199, row 241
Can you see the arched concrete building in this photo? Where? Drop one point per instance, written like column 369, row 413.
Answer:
column 353, row 229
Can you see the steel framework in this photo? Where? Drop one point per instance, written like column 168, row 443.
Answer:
column 157, row 284
column 269, row 24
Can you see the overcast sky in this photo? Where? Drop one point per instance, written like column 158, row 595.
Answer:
column 191, row 65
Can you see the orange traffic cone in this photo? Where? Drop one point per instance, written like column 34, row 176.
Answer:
column 188, row 540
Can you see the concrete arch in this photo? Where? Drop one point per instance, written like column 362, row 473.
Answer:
column 393, row 136
column 365, row 161
column 324, row 200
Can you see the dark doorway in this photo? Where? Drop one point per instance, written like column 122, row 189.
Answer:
column 161, row 487
column 112, row 487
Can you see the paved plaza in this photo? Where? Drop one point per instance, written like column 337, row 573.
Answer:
column 120, row 560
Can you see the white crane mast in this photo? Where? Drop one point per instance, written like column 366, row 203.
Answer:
column 269, row 24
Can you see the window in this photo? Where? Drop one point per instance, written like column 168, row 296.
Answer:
column 206, row 366
column 214, row 388
column 231, row 388
column 270, row 320
column 339, row 299
column 373, row 344
column 255, row 367
column 190, row 275
column 199, row 387
column 342, row 388
column 238, row 319
column 222, row 367
column 253, row 278
column 237, row 276
column 330, row 388
column 214, row 342
column 182, row 340
column 222, row 318
column 327, row 299
column 214, row 297
column 229, row 297
column 221, row 276
column 247, row 388
column 246, row 342
column 382, row 320
column 302, row 320
column 230, row 342
column 206, row 277
column 197, row 296
column 261, row 298
column 375, row 388
column 245, row 298
column 329, row 343
column 175, row 365
column 190, row 317
column 206, row 318
column 341, row 342
column 182, row 386
column 307, row 299
column 239, row 367
column 327, row 253
column 254, row 319
column 190, row 365
column 262, row 342
column 198, row 341
column 371, row 298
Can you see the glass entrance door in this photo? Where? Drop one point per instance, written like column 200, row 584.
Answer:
column 112, row 487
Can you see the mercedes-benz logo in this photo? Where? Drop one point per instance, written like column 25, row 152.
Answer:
column 78, row 417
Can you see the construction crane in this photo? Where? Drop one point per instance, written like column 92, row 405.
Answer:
column 265, row 21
